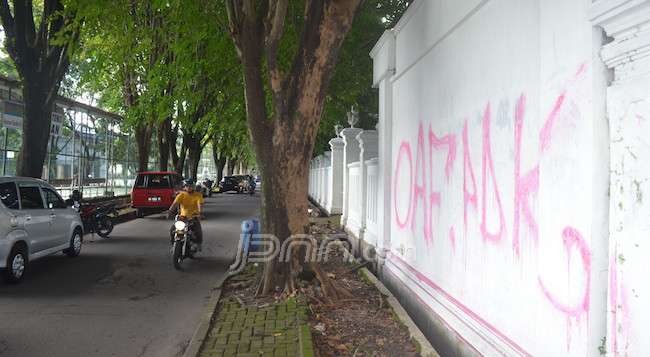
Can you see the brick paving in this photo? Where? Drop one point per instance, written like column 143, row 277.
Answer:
column 279, row 329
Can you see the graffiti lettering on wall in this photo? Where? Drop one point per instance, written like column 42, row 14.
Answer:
column 424, row 196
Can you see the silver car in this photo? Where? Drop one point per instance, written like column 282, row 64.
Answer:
column 34, row 222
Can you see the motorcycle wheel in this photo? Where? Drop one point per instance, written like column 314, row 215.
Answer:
column 105, row 227
column 177, row 251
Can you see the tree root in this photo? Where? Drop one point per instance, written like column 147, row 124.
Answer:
column 331, row 290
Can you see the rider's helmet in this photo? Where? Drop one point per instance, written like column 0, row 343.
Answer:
column 188, row 183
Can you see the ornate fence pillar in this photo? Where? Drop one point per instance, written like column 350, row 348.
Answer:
column 325, row 189
column 367, row 150
column 335, row 199
column 350, row 155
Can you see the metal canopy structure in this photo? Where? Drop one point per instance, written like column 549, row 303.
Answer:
column 87, row 149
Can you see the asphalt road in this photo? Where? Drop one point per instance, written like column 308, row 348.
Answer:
column 121, row 297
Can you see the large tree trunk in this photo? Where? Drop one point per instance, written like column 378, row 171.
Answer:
column 284, row 145
column 194, row 157
column 36, row 129
column 143, row 137
column 164, row 145
column 219, row 161
column 232, row 162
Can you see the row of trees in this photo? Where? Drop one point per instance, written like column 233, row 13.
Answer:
column 253, row 78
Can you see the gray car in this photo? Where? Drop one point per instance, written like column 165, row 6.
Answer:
column 34, row 222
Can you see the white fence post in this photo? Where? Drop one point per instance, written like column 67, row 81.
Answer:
column 350, row 155
column 371, row 232
column 335, row 199
column 367, row 149
column 325, row 177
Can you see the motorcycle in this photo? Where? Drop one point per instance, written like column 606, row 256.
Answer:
column 206, row 187
column 97, row 218
column 246, row 186
column 182, row 240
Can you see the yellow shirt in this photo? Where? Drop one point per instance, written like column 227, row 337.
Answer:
column 189, row 203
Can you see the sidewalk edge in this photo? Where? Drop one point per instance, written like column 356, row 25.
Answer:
column 426, row 349
column 194, row 347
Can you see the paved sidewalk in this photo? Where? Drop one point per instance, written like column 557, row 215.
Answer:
column 279, row 329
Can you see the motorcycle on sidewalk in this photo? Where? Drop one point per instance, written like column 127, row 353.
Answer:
column 182, row 243
column 96, row 218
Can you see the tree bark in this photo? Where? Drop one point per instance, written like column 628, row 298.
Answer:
column 36, row 129
column 164, row 146
column 232, row 162
column 284, row 145
column 143, row 137
column 219, row 161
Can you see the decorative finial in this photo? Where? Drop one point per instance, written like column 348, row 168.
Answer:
column 337, row 129
column 353, row 116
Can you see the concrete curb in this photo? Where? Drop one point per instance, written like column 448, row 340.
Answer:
column 425, row 347
column 194, row 347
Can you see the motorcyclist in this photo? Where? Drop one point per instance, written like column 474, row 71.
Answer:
column 190, row 203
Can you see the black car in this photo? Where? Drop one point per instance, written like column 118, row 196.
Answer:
column 237, row 183
column 230, row 183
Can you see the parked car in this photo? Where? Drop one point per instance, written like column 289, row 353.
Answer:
column 154, row 191
column 34, row 222
column 229, row 183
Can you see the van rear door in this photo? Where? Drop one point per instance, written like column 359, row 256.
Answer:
column 158, row 190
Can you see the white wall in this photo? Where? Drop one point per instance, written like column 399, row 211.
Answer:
column 497, row 198
column 628, row 106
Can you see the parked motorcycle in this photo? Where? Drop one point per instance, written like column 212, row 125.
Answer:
column 246, row 185
column 182, row 240
column 206, row 187
column 95, row 218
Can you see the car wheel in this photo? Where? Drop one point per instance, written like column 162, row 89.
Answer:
column 76, row 242
column 16, row 265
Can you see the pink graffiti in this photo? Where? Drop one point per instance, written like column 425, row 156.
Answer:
column 545, row 133
column 421, row 179
column 468, row 198
column 613, row 301
column 525, row 186
column 435, row 144
column 404, row 151
column 449, row 141
column 419, row 190
column 488, row 164
column 618, row 301
column 572, row 238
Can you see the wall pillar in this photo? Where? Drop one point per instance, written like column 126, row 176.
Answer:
column 383, row 56
column 367, row 150
column 327, row 159
column 628, row 109
column 335, row 199
column 350, row 155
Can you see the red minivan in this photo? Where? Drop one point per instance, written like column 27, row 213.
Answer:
column 155, row 191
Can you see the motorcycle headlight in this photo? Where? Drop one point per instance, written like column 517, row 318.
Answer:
column 179, row 225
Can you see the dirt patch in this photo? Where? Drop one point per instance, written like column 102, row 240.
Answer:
column 363, row 325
